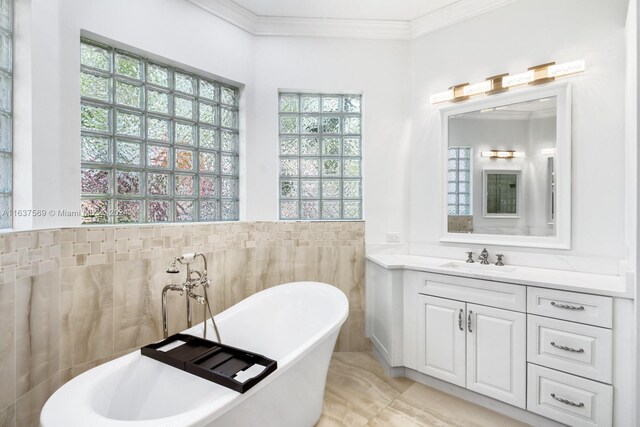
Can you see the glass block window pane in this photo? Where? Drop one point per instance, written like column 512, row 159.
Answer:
column 128, row 211
column 459, row 185
column 320, row 156
column 128, row 65
column 157, row 144
column 129, row 94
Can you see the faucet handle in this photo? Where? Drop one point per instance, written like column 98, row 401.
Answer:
column 499, row 262
column 470, row 257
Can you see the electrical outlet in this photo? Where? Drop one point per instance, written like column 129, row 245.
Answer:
column 393, row 237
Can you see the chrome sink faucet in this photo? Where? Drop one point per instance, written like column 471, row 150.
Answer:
column 484, row 257
column 194, row 280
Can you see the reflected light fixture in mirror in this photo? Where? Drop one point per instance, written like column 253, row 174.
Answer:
column 502, row 154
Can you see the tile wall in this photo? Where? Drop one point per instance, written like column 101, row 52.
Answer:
column 72, row 299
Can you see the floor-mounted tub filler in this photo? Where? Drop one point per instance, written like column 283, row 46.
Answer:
column 296, row 324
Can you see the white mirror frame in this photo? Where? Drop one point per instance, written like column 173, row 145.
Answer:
column 562, row 238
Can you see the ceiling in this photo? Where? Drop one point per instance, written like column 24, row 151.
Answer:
column 397, row 10
column 369, row 19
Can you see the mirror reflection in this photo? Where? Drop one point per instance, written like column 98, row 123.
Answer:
column 501, row 196
column 501, row 177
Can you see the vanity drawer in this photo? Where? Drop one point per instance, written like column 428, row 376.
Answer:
column 583, row 308
column 572, row 347
column 568, row 399
column 483, row 292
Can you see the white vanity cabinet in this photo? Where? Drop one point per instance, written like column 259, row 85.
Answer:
column 544, row 354
column 474, row 346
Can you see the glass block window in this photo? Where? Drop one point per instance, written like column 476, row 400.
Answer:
column 320, row 156
column 159, row 144
column 459, row 181
column 6, row 100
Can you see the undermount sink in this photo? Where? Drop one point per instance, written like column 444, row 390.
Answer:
column 478, row 268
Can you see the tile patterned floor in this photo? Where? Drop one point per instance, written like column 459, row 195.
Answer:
column 358, row 393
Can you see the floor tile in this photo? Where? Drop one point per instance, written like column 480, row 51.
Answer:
column 359, row 393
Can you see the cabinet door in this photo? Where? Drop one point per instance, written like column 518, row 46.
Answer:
column 441, row 342
column 496, row 353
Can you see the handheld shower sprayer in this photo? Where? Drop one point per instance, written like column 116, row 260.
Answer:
column 173, row 269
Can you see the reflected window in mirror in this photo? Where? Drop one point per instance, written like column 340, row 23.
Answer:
column 459, row 187
column 501, row 194
column 459, row 190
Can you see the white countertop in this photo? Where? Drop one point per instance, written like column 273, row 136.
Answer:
column 600, row 284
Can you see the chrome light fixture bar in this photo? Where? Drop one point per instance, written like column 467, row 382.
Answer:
column 539, row 74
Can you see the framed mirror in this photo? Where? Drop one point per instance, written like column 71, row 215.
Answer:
column 508, row 169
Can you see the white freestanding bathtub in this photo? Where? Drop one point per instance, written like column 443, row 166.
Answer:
column 296, row 324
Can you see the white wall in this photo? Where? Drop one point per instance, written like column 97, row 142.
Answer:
column 377, row 69
column 48, row 92
column 510, row 39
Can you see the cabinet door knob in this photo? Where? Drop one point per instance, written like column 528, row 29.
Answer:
column 469, row 321
column 460, row 320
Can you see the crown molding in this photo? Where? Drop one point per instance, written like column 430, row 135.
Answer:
column 336, row 28
column 452, row 14
column 231, row 12
column 258, row 25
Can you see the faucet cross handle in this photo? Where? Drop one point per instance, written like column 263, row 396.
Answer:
column 470, row 257
column 499, row 262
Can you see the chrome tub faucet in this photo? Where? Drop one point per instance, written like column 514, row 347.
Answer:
column 195, row 279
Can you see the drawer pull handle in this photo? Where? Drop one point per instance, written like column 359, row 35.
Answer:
column 567, row 402
column 565, row 348
column 568, row 307
column 469, row 321
column 460, row 320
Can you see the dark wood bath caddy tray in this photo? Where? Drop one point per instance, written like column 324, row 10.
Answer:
column 210, row 360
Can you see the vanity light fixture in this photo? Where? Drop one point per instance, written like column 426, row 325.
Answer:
column 518, row 79
column 459, row 92
column 539, row 74
column 441, row 97
column 567, row 68
column 502, row 154
column 478, row 88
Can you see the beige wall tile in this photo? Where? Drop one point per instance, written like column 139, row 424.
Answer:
column 29, row 406
column 7, row 345
column 8, row 417
column 86, row 314
column 134, row 324
column 37, row 330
